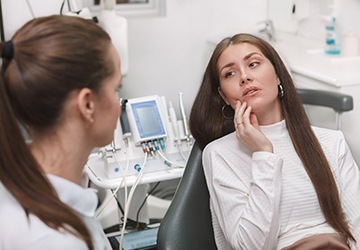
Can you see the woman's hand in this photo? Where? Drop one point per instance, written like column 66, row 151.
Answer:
column 247, row 129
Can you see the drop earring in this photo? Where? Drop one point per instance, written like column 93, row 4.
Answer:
column 281, row 91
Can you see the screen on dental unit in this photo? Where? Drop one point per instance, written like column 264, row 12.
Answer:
column 148, row 120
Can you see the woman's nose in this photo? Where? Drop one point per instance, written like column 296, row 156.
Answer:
column 245, row 78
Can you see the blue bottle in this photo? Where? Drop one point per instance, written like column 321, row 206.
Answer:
column 332, row 38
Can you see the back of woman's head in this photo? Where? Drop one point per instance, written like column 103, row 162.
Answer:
column 52, row 56
column 47, row 59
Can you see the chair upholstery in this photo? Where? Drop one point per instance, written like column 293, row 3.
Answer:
column 335, row 100
column 187, row 224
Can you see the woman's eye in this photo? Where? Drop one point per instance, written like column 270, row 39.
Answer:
column 230, row 73
column 253, row 64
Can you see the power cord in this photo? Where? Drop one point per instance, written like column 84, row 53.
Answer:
column 130, row 224
column 30, row 9
column 62, row 7
column 145, row 199
column 128, row 200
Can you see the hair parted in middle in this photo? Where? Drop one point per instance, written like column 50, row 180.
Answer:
column 208, row 124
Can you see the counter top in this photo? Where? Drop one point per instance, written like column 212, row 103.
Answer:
column 305, row 56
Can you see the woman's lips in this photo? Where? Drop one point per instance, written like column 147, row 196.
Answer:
column 250, row 92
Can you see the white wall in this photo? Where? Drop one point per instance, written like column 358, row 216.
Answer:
column 168, row 54
column 17, row 12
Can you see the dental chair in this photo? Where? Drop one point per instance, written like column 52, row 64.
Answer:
column 187, row 224
column 337, row 101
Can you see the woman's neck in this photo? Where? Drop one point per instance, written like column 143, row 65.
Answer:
column 60, row 156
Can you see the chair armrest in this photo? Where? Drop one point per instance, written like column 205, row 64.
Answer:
column 337, row 101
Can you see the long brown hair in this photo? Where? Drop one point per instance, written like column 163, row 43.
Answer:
column 207, row 124
column 52, row 56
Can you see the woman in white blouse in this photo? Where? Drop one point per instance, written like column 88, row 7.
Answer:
column 275, row 182
column 59, row 78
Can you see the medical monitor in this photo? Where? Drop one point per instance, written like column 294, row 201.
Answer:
column 145, row 119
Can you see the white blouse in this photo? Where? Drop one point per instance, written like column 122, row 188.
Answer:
column 267, row 201
column 17, row 231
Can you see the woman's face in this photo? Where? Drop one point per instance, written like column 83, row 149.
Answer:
column 107, row 106
column 247, row 75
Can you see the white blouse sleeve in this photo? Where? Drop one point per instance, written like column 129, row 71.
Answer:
column 245, row 197
column 349, row 182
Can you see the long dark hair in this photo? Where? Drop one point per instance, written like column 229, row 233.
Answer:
column 52, row 56
column 207, row 124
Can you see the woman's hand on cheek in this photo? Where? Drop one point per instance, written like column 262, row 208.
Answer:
column 247, row 129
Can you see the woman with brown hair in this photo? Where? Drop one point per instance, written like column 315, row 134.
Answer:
column 275, row 181
column 59, row 79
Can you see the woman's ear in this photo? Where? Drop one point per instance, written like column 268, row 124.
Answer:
column 222, row 95
column 86, row 104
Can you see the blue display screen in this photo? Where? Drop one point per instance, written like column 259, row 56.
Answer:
column 148, row 119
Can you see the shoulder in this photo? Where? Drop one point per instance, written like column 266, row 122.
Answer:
column 29, row 232
column 14, row 222
column 333, row 143
column 227, row 152
column 12, row 215
column 223, row 144
column 329, row 138
column 325, row 133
